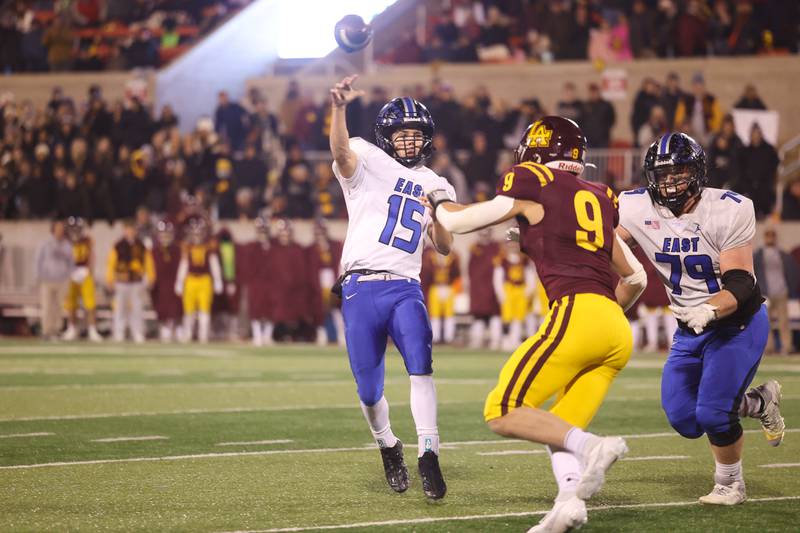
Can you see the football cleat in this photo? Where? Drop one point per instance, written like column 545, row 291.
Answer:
column 597, row 460
column 94, row 335
column 567, row 515
column 395, row 467
column 433, row 484
column 732, row 494
column 70, row 334
column 771, row 419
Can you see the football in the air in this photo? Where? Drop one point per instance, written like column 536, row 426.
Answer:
column 352, row 34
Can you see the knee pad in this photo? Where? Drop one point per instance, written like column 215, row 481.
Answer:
column 719, row 425
column 369, row 394
column 685, row 425
column 726, row 438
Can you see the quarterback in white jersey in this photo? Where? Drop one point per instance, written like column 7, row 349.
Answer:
column 385, row 189
column 701, row 242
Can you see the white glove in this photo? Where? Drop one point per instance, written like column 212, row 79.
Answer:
column 697, row 317
column 218, row 288
column 512, row 234
column 79, row 274
column 178, row 289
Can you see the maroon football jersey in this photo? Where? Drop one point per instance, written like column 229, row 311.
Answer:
column 482, row 300
column 572, row 244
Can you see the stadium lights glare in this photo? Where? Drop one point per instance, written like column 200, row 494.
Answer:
column 306, row 28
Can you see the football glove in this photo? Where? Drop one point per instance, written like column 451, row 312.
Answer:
column 512, row 234
column 436, row 197
column 697, row 317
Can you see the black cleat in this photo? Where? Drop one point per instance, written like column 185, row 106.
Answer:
column 395, row 467
column 433, row 484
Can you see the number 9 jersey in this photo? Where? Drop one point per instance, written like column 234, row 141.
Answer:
column 387, row 222
column 572, row 244
column 685, row 250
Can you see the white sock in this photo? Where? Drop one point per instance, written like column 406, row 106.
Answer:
column 567, row 471
column 727, row 474
column 436, row 328
column 476, row 334
column 577, row 440
column 255, row 330
column 322, row 336
column 378, row 419
column 188, row 326
column 449, row 330
column 267, row 328
column 203, row 326
column 338, row 321
column 495, row 332
column 423, row 409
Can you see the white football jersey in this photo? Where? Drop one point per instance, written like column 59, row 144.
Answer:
column 685, row 250
column 387, row 224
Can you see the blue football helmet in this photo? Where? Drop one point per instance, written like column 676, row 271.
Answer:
column 402, row 113
column 679, row 156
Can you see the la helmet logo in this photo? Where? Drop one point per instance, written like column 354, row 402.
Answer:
column 539, row 135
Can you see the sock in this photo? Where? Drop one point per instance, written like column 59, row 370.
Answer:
column 203, row 326
column 267, row 328
column 752, row 404
column 255, row 328
column 495, row 332
column 577, row 440
column 567, row 471
column 188, row 326
column 378, row 419
column 423, row 409
column 449, row 330
column 476, row 334
column 436, row 329
column 727, row 474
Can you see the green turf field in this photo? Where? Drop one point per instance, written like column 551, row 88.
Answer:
column 234, row 438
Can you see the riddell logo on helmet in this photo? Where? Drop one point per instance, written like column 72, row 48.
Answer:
column 539, row 136
column 569, row 166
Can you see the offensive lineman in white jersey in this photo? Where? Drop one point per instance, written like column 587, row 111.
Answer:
column 701, row 242
column 384, row 188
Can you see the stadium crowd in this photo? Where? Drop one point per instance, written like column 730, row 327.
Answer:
column 101, row 160
column 81, row 35
column 555, row 30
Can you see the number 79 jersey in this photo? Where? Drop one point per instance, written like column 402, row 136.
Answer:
column 685, row 250
column 572, row 244
column 387, row 223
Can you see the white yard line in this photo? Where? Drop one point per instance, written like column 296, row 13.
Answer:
column 780, row 465
column 255, row 442
column 15, row 435
column 127, row 439
column 498, row 515
column 656, row 458
column 514, row 452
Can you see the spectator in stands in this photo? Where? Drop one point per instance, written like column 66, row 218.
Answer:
column 88, row 12
column 101, row 204
column 745, row 36
column 517, row 120
column 482, row 162
column 654, row 128
column 32, row 49
column 10, row 43
column 143, row 51
column 643, row 30
column 54, row 263
column 759, row 172
column 700, row 109
column 791, row 200
column 646, row 99
column 298, row 191
column 378, row 97
column 671, row 96
column 777, row 274
column 167, row 119
column 721, row 26
column 570, row 105
column 72, row 200
column 289, row 108
column 724, row 157
column 60, row 42
column 230, row 121
column 135, row 125
column 329, row 196
column 598, row 117
column 692, row 28
column 443, row 165
column 750, row 99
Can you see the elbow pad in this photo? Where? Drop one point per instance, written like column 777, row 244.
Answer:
column 639, row 277
column 740, row 283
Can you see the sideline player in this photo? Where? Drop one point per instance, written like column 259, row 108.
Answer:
column 566, row 225
column 701, row 242
column 81, row 283
column 382, row 257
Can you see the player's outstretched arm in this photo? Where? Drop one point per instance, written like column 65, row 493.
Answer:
column 342, row 94
column 466, row 218
column 633, row 277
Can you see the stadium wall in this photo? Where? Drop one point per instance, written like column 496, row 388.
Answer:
column 21, row 239
column 774, row 77
column 38, row 87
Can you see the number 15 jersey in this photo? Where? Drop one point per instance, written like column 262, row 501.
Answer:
column 572, row 244
column 387, row 223
column 685, row 250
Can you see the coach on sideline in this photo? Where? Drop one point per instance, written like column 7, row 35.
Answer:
column 54, row 264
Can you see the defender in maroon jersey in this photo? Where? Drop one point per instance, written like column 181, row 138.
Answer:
column 566, row 226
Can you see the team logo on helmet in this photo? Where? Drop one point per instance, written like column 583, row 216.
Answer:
column 539, row 135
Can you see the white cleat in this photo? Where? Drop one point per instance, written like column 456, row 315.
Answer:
column 94, row 335
column 771, row 420
column 70, row 334
column 598, row 459
column 567, row 515
column 733, row 494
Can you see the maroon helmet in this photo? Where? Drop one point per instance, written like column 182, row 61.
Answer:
column 555, row 142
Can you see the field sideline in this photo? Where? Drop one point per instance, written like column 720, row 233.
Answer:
column 225, row 437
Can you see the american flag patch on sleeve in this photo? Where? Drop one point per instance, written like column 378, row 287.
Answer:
column 652, row 224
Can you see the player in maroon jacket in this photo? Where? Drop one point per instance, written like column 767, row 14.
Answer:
column 166, row 258
column 289, row 276
column 566, row 226
column 255, row 276
column 324, row 255
column 483, row 305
